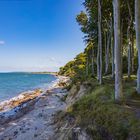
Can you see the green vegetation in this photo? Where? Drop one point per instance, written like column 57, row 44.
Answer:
column 76, row 68
column 102, row 118
column 102, row 22
column 111, row 55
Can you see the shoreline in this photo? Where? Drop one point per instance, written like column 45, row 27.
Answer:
column 51, row 73
column 17, row 106
column 33, row 93
column 34, row 120
column 40, row 87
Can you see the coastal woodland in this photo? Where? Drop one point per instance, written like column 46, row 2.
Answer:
column 96, row 96
column 109, row 68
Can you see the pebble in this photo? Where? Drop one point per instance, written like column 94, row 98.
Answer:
column 35, row 135
column 23, row 131
column 15, row 133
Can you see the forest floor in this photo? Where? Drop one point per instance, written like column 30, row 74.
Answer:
column 131, row 98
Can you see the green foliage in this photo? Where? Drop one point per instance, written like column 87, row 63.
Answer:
column 76, row 68
column 101, row 117
column 96, row 111
column 82, row 19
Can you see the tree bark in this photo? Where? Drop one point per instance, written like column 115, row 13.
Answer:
column 122, row 45
column 107, row 51
column 92, row 61
column 130, row 20
column 129, row 51
column 132, row 53
column 137, row 20
column 112, row 50
column 98, row 63
column 118, row 55
column 105, row 41
column 100, row 39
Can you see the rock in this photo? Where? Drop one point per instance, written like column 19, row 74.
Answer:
column 40, row 115
column 17, row 112
column 31, row 114
column 84, row 136
column 35, row 135
column 23, row 131
column 15, row 133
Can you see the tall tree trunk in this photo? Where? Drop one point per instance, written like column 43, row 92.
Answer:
column 105, row 42
column 129, row 52
column 92, row 61
column 98, row 63
column 107, row 51
column 112, row 50
column 100, row 39
column 122, row 46
column 118, row 55
column 129, row 39
column 137, row 20
column 132, row 53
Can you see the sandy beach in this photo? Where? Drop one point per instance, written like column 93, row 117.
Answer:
column 30, row 115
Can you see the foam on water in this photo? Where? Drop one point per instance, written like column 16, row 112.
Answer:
column 12, row 84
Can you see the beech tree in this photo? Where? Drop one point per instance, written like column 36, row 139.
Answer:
column 100, row 40
column 109, row 36
column 118, row 55
column 137, row 20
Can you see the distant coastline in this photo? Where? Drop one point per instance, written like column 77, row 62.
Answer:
column 44, row 72
column 52, row 73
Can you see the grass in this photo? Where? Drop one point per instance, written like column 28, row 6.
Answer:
column 102, row 117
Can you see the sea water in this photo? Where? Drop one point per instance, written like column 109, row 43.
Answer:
column 12, row 84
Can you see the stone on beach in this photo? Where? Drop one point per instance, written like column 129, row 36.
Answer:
column 36, row 123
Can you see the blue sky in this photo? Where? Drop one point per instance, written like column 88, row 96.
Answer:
column 38, row 35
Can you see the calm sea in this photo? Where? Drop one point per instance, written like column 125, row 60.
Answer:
column 12, row 84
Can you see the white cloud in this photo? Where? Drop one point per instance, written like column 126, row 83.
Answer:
column 2, row 42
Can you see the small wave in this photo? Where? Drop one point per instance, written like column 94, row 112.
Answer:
column 4, row 104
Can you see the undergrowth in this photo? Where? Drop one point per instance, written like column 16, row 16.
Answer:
column 103, row 118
